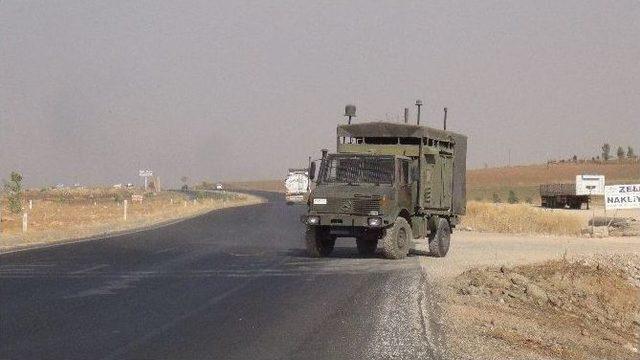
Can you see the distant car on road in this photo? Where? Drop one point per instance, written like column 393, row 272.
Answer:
column 219, row 186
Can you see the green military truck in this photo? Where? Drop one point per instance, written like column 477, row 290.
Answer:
column 387, row 184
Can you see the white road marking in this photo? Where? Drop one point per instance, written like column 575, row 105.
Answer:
column 84, row 271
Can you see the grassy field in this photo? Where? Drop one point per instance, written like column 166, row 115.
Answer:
column 520, row 219
column 66, row 214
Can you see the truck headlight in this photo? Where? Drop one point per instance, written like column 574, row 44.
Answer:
column 374, row 221
column 312, row 220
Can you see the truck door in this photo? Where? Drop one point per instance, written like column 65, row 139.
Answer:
column 446, row 177
column 404, row 184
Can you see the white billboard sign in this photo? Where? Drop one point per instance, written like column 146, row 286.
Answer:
column 589, row 184
column 145, row 173
column 622, row 196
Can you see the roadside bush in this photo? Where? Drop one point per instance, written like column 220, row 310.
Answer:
column 13, row 187
column 496, row 198
column 512, row 199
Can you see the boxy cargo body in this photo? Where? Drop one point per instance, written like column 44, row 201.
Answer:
column 561, row 195
column 388, row 179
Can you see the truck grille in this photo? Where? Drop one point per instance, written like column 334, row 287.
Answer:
column 359, row 206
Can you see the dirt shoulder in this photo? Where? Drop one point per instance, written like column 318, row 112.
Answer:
column 508, row 296
column 474, row 249
column 51, row 222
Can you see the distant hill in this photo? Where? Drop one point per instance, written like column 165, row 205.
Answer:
column 525, row 180
column 551, row 173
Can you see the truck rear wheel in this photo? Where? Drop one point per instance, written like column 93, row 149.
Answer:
column 319, row 242
column 439, row 238
column 367, row 244
column 396, row 241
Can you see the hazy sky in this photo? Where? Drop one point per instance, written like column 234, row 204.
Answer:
column 91, row 91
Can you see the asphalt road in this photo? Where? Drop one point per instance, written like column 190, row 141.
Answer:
column 231, row 284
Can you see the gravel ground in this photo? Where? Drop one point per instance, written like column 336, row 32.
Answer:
column 477, row 250
column 473, row 249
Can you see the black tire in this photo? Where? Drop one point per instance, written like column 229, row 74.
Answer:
column 439, row 238
column 319, row 243
column 367, row 244
column 397, row 240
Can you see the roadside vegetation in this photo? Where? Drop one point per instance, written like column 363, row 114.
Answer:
column 519, row 219
column 61, row 214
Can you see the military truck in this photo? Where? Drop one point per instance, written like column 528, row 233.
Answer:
column 387, row 184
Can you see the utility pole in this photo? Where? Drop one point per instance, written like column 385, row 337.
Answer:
column 418, row 104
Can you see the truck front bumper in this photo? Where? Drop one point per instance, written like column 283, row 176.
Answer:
column 345, row 220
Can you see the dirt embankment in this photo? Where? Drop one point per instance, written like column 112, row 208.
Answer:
column 584, row 309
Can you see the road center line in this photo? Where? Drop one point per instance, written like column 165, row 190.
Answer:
column 84, row 271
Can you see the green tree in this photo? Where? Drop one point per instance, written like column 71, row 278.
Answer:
column 630, row 153
column 512, row 199
column 620, row 153
column 13, row 187
column 606, row 152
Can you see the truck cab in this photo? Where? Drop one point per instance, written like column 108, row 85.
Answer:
column 355, row 192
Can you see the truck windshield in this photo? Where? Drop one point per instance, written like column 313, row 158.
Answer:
column 358, row 169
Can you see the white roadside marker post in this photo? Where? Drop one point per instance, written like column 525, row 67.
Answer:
column 25, row 221
column 30, row 204
column 125, row 210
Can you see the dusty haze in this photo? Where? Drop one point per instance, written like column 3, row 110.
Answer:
column 92, row 91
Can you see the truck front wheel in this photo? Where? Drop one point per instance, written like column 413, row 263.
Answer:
column 397, row 239
column 319, row 242
column 439, row 238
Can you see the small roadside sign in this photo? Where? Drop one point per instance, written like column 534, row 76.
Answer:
column 145, row 173
column 622, row 196
column 136, row 198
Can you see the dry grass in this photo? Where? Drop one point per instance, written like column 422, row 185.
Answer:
column 519, row 218
column 60, row 215
column 586, row 309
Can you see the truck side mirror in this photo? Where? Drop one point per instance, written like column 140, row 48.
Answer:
column 312, row 171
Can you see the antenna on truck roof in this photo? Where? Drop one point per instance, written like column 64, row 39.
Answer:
column 445, row 118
